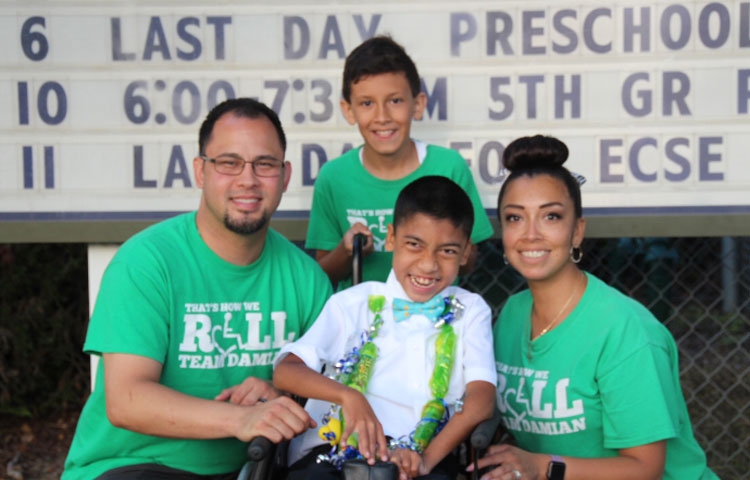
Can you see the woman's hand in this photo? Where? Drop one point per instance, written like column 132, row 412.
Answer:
column 512, row 464
column 644, row 461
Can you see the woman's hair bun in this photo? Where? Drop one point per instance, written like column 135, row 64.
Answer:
column 534, row 152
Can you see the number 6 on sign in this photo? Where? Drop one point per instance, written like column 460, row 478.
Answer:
column 34, row 44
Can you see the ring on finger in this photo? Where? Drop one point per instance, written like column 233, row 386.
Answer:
column 517, row 474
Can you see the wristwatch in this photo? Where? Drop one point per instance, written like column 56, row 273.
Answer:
column 556, row 469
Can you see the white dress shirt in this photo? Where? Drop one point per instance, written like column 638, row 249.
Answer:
column 399, row 386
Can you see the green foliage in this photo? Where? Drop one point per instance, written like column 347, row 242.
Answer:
column 43, row 317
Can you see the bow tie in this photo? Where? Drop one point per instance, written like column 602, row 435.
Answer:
column 403, row 309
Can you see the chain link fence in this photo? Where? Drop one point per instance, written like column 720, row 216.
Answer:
column 700, row 289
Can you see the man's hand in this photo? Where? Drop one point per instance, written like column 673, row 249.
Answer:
column 249, row 392
column 277, row 420
column 137, row 401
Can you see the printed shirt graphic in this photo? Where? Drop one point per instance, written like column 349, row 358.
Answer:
column 228, row 335
column 346, row 193
column 604, row 379
column 168, row 297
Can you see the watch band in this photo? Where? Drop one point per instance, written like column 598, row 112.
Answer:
column 556, row 470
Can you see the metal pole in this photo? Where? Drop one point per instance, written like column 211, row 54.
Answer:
column 729, row 274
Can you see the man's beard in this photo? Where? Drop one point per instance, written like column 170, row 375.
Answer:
column 245, row 227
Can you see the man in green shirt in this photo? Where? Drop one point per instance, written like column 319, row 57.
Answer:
column 191, row 314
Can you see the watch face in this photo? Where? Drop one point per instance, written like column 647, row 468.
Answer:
column 556, row 471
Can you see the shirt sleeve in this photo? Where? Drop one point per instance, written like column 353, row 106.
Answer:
column 639, row 401
column 319, row 291
column 478, row 353
column 325, row 341
column 132, row 307
column 323, row 232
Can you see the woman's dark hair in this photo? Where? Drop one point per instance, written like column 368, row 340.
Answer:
column 540, row 155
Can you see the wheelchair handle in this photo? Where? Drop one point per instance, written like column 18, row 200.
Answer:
column 259, row 448
column 483, row 434
column 358, row 243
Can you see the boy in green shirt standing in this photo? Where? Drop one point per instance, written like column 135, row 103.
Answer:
column 356, row 192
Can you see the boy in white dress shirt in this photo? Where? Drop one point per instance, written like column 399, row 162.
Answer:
column 412, row 357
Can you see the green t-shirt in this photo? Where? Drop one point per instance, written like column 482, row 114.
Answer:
column 166, row 296
column 346, row 193
column 604, row 379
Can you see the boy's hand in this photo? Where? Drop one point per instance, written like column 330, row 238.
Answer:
column 360, row 419
column 410, row 463
column 349, row 239
column 249, row 392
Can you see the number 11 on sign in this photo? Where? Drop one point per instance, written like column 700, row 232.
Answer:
column 28, row 167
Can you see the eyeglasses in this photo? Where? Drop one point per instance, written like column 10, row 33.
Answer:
column 263, row 167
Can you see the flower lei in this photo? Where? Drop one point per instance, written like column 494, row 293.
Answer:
column 355, row 370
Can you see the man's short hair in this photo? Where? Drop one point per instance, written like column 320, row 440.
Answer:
column 243, row 108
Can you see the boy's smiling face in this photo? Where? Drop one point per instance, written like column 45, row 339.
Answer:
column 427, row 254
column 383, row 106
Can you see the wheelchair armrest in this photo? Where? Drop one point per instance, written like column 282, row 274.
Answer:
column 483, row 434
column 261, row 453
column 259, row 448
column 361, row 470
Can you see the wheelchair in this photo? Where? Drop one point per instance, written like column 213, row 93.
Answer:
column 268, row 461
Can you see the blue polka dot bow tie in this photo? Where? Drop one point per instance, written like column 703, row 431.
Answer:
column 403, row 309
